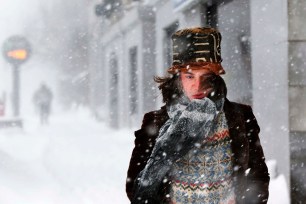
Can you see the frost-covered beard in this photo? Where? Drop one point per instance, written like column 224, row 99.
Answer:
column 189, row 122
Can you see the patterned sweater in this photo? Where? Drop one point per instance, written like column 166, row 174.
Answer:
column 204, row 175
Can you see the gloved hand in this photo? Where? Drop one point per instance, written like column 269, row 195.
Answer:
column 218, row 85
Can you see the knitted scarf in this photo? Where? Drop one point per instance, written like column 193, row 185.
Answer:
column 188, row 125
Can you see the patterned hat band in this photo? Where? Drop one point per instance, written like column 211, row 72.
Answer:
column 197, row 46
column 216, row 68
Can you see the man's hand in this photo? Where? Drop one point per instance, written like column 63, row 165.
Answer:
column 218, row 87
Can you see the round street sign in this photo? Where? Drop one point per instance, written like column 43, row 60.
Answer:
column 16, row 50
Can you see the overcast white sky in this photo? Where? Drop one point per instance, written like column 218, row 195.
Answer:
column 14, row 15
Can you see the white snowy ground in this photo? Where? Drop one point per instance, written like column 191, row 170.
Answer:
column 74, row 160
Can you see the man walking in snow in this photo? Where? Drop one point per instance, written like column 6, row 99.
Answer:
column 199, row 147
column 42, row 100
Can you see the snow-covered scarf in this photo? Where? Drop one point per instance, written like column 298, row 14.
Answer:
column 188, row 125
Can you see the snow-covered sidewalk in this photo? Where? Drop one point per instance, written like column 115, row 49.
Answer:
column 74, row 160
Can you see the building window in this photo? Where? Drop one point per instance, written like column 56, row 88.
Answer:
column 168, row 43
column 209, row 12
column 113, row 66
column 108, row 8
column 133, row 80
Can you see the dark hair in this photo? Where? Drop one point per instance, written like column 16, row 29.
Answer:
column 171, row 87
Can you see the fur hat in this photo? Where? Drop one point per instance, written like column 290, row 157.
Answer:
column 200, row 47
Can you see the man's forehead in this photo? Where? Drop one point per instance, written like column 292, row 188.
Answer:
column 197, row 72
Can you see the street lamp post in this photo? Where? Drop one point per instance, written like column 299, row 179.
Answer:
column 16, row 88
column 16, row 50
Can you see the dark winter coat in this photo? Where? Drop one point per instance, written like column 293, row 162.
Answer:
column 251, row 177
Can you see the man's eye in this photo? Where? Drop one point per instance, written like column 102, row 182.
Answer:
column 189, row 77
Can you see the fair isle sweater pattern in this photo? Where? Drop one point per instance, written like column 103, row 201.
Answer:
column 189, row 123
column 204, row 175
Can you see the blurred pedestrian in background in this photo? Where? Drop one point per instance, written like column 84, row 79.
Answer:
column 42, row 100
column 199, row 147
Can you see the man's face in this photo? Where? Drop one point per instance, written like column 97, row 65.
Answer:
column 195, row 83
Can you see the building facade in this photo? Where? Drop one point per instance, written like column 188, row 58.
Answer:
column 278, row 63
column 263, row 51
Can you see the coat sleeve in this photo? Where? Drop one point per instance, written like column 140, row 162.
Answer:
column 257, row 176
column 144, row 142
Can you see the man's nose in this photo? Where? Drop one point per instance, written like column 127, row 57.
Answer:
column 197, row 84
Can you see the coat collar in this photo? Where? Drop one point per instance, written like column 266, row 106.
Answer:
column 235, row 121
column 233, row 114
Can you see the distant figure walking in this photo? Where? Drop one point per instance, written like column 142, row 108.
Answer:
column 42, row 100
